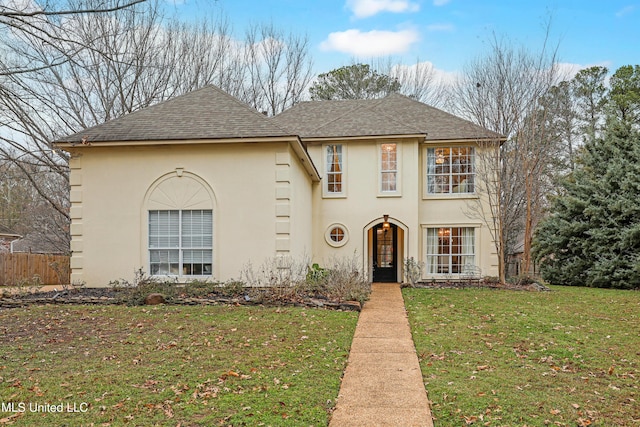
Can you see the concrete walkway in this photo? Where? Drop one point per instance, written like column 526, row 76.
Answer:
column 382, row 385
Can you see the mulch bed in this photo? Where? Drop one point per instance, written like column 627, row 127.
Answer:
column 531, row 287
column 111, row 296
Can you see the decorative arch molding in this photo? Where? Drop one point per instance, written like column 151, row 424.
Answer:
column 179, row 190
column 367, row 243
column 392, row 220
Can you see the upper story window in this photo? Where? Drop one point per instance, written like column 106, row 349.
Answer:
column 450, row 170
column 388, row 168
column 334, row 175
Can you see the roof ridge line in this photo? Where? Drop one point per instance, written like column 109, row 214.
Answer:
column 355, row 108
column 369, row 107
column 264, row 118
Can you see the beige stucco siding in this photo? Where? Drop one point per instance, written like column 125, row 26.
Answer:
column 362, row 205
column 301, row 221
column 111, row 200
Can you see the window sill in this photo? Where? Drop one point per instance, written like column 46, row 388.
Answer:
column 169, row 278
column 334, row 196
column 389, row 195
column 451, row 196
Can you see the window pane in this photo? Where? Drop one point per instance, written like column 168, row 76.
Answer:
column 181, row 230
column 450, row 170
column 197, row 262
column 164, row 229
column 449, row 249
column 164, row 262
column 334, row 168
column 197, row 229
column 388, row 167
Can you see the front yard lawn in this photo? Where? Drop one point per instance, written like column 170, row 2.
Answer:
column 570, row 357
column 169, row 365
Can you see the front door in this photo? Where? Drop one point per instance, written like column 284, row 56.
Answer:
column 385, row 255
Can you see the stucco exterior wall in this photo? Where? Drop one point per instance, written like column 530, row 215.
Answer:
column 362, row 205
column 110, row 201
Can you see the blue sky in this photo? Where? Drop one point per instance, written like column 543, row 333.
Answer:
column 447, row 33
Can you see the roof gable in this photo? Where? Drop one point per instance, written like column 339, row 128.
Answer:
column 395, row 114
column 206, row 113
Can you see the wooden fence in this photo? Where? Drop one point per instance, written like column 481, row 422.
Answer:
column 25, row 269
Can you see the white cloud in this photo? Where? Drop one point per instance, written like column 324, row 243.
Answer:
column 440, row 2
column 567, row 70
column 625, row 11
column 366, row 8
column 371, row 43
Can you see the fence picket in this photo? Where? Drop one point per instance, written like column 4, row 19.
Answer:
column 20, row 268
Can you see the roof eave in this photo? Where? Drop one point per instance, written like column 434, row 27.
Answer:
column 322, row 139
column 491, row 139
column 133, row 143
column 306, row 161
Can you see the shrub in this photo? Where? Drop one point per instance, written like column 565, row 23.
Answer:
column 412, row 270
column 134, row 292
column 287, row 279
column 345, row 280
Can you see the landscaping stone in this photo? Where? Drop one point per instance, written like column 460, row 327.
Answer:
column 154, row 299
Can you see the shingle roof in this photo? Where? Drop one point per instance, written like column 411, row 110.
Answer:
column 7, row 232
column 207, row 113
column 393, row 115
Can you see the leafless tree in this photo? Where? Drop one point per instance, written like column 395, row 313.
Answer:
column 43, row 20
column 89, row 68
column 279, row 68
column 501, row 91
column 418, row 81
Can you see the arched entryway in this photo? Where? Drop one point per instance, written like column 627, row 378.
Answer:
column 385, row 240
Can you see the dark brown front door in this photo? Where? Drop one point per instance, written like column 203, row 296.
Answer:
column 385, row 255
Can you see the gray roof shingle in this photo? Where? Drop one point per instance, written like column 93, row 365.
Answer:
column 393, row 115
column 206, row 113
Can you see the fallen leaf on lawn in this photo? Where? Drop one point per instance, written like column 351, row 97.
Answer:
column 611, row 369
column 11, row 418
column 554, row 411
column 470, row 420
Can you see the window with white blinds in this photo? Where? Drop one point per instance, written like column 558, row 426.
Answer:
column 181, row 242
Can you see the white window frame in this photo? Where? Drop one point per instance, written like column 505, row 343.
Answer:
column 178, row 244
column 452, row 183
column 442, row 264
column 397, row 192
column 345, row 235
column 343, row 173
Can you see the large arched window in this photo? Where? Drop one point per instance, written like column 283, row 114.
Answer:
column 180, row 239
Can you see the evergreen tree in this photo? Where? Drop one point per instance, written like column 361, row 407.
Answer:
column 592, row 236
column 357, row 81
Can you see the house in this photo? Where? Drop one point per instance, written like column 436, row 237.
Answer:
column 7, row 237
column 197, row 186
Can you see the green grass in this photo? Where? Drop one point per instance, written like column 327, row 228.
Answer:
column 570, row 357
column 172, row 366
